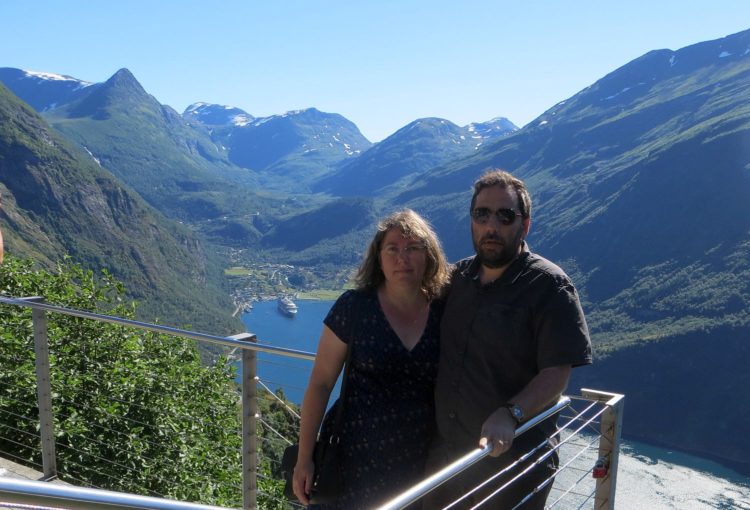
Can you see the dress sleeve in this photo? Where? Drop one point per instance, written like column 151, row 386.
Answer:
column 341, row 318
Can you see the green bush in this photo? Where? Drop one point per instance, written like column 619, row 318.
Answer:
column 135, row 411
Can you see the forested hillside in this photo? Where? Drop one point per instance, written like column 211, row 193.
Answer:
column 640, row 184
column 134, row 411
column 57, row 201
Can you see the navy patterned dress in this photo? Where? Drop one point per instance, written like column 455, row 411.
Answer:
column 388, row 420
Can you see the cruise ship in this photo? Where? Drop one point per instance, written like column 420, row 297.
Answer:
column 287, row 306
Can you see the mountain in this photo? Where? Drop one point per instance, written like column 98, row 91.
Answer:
column 217, row 115
column 288, row 151
column 174, row 166
column 640, row 184
column 595, row 154
column 44, row 91
column 57, row 201
column 418, row 146
column 170, row 162
column 495, row 128
column 174, row 163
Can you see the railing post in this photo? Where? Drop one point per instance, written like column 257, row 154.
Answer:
column 609, row 444
column 249, row 424
column 44, row 390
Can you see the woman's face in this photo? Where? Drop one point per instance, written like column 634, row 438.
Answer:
column 402, row 259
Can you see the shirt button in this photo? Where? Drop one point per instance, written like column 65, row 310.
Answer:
column 452, row 415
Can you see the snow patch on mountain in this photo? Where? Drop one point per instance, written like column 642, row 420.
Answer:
column 43, row 76
column 241, row 119
column 92, row 156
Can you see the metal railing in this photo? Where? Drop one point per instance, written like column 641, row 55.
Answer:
column 584, row 477
column 246, row 343
column 604, row 409
column 28, row 492
column 418, row 491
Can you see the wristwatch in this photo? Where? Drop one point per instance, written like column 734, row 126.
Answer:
column 515, row 412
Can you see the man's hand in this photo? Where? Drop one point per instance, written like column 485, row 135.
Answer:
column 498, row 430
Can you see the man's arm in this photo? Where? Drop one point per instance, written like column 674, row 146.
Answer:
column 544, row 389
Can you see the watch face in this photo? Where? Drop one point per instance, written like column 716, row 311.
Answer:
column 517, row 412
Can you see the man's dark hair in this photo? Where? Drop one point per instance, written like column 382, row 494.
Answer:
column 498, row 177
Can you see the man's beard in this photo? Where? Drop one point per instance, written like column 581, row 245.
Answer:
column 499, row 257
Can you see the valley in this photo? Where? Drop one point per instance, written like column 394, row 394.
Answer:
column 640, row 184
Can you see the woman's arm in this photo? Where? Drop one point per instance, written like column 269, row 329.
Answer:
column 328, row 363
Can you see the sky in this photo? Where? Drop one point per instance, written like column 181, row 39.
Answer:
column 381, row 63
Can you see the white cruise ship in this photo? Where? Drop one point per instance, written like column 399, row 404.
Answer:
column 287, row 307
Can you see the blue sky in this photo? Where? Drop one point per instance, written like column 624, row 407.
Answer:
column 381, row 64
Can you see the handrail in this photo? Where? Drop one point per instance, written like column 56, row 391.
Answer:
column 221, row 340
column 431, row 483
column 31, row 492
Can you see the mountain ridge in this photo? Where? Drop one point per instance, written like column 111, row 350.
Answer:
column 293, row 148
column 640, row 184
column 43, row 91
column 416, row 147
column 57, row 201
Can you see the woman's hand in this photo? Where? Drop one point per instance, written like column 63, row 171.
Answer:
column 302, row 480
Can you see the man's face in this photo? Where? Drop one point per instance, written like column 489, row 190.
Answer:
column 496, row 243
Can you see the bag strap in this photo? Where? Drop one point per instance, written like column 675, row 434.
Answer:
column 342, row 394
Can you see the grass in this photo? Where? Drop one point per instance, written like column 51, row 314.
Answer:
column 321, row 294
column 237, row 271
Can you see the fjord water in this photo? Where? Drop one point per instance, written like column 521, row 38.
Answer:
column 648, row 477
column 300, row 332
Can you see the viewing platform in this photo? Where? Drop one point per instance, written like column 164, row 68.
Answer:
column 14, row 470
column 48, row 433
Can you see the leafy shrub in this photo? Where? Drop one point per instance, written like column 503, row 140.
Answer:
column 134, row 411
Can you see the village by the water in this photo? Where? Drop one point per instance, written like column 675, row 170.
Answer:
column 252, row 282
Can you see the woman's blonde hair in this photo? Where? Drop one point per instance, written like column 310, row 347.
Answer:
column 410, row 224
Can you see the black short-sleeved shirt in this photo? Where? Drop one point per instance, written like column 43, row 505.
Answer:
column 495, row 338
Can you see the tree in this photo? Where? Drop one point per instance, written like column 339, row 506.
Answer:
column 134, row 411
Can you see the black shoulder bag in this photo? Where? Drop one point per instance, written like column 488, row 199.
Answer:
column 327, row 476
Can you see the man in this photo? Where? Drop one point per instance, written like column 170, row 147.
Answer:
column 512, row 330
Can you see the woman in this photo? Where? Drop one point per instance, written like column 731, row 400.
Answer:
column 390, row 323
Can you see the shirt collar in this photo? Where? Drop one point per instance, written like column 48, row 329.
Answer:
column 512, row 272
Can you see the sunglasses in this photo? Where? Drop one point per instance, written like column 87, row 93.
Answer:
column 505, row 216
